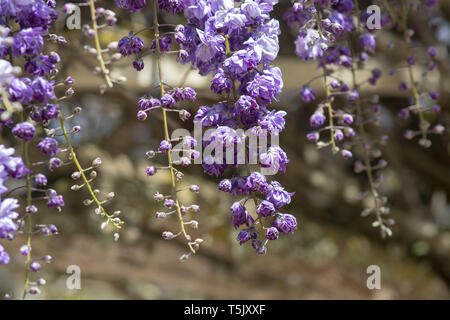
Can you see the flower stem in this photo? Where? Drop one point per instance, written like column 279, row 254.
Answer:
column 5, row 100
column 166, row 127
column 362, row 132
column 391, row 11
column 97, row 45
column 26, row 159
column 227, row 45
column 415, row 90
column 327, row 88
column 329, row 107
column 83, row 175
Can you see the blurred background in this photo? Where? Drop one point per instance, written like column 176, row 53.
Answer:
column 328, row 255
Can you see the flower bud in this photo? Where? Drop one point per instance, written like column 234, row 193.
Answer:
column 34, row 290
column 25, row 250
column 35, row 266
column 167, row 235
column 151, row 171
column 194, row 188
column 96, row 162
column 76, row 175
column 32, row 209
column 158, row 197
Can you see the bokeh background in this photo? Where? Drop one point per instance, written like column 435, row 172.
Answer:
column 326, row 258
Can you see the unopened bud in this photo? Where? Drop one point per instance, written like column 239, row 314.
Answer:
column 34, row 290
column 96, row 162
column 184, row 257
column 69, row 92
column 113, row 45
column 160, row 215
column 167, row 235
column 194, row 188
column 194, row 224
column 76, row 175
column 88, row 202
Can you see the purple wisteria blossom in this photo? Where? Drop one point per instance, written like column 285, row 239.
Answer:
column 131, row 5
column 10, row 167
column 236, row 42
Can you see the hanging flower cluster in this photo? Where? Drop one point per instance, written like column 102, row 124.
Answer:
column 28, row 100
column 327, row 34
column 29, row 103
column 236, row 43
column 367, row 110
column 324, row 27
column 166, row 102
column 10, row 167
column 422, row 102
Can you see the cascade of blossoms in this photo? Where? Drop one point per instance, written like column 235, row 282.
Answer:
column 11, row 167
column 367, row 110
column 26, row 102
column 29, row 99
column 323, row 27
column 132, row 45
column 398, row 13
column 326, row 33
column 236, row 42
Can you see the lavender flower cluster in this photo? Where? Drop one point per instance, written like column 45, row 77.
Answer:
column 423, row 102
column 323, row 29
column 29, row 105
column 326, row 33
column 10, row 167
column 236, row 43
column 132, row 45
column 28, row 99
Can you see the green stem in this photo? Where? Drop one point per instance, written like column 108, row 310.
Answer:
column 166, row 127
column 319, row 27
column 98, row 47
column 327, row 88
column 391, row 12
column 227, row 45
column 26, row 159
column 5, row 100
column 415, row 90
column 83, row 175
column 362, row 132
column 358, row 13
column 329, row 107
